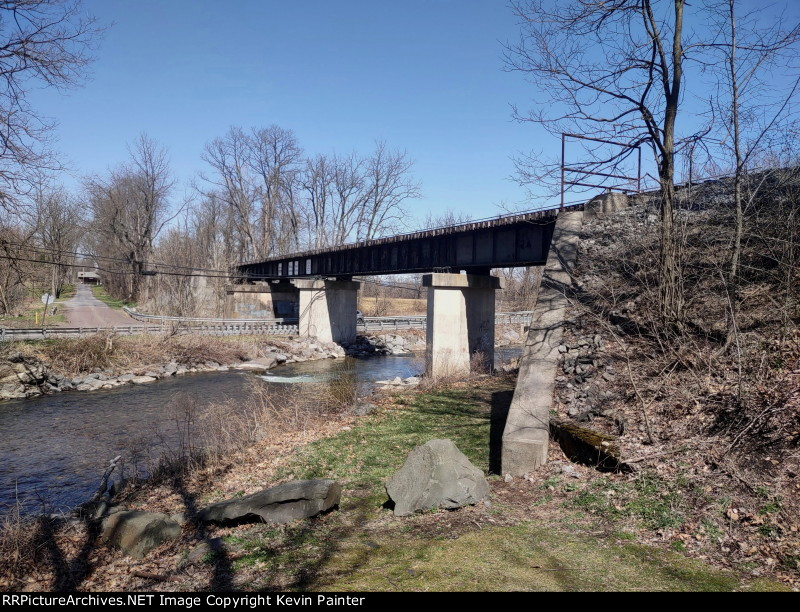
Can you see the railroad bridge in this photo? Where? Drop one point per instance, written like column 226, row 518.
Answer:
column 456, row 262
column 317, row 286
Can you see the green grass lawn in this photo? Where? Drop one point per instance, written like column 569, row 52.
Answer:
column 362, row 546
column 100, row 293
column 31, row 314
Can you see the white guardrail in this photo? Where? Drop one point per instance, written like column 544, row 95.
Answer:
column 156, row 324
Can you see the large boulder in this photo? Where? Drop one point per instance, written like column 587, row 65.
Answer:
column 436, row 475
column 136, row 533
column 288, row 502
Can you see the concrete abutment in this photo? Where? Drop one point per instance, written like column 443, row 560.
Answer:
column 527, row 431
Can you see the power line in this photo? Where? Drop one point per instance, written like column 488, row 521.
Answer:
column 103, row 257
column 123, row 272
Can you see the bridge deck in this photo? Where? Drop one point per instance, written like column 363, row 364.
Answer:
column 504, row 242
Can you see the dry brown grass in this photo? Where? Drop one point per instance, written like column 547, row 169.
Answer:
column 209, row 439
column 449, row 378
column 80, row 355
column 122, row 353
column 18, row 547
column 388, row 307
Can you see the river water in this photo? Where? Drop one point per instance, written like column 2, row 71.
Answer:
column 54, row 448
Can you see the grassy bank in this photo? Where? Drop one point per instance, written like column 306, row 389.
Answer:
column 526, row 539
column 30, row 315
column 545, row 533
column 100, row 293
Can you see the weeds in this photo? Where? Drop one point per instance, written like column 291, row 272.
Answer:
column 18, row 549
column 209, row 439
column 104, row 351
column 647, row 499
column 81, row 355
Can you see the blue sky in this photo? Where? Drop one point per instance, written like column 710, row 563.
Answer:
column 424, row 75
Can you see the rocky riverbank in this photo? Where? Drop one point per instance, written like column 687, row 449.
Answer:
column 28, row 372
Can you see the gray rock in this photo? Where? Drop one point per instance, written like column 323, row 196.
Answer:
column 570, row 470
column 89, row 384
column 136, row 533
column 288, row 502
column 141, row 380
column 11, row 379
column 13, row 392
column 363, row 409
column 262, row 363
column 204, row 551
column 436, row 475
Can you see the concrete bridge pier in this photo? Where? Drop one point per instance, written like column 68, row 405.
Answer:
column 327, row 309
column 460, row 322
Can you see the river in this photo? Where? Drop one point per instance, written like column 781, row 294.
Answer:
column 54, row 448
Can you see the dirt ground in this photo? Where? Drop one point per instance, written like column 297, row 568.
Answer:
column 85, row 310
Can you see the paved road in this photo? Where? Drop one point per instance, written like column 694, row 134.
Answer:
column 85, row 310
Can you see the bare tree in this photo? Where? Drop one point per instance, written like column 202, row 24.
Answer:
column 255, row 176
column 15, row 271
column 275, row 156
column 348, row 197
column 448, row 217
column 42, row 43
column 747, row 50
column 232, row 184
column 611, row 70
column 177, row 293
column 389, row 184
column 58, row 227
column 316, row 182
column 130, row 209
